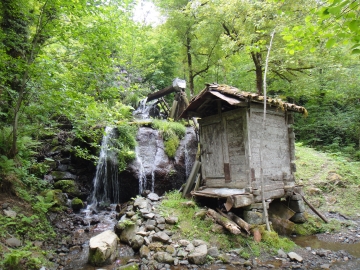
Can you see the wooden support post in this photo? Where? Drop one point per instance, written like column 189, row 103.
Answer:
column 192, row 177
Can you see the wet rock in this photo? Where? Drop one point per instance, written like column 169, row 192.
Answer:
column 13, row 242
column 103, row 248
column 295, row 257
column 68, row 186
column 198, row 256
column 10, row 213
column 141, row 203
column 224, row 258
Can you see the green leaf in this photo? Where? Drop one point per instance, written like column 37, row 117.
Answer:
column 330, row 43
column 355, row 51
column 354, row 25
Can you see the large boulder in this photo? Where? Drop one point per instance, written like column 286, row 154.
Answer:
column 157, row 171
column 103, row 248
column 198, row 256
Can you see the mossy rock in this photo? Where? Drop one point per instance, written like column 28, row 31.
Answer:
column 77, row 204
column 68, row 186
column 59, row 175
column 56, row 198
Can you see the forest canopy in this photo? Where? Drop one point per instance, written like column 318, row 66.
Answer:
column 90, row 62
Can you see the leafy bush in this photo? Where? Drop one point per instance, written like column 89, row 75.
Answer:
column 172, row 133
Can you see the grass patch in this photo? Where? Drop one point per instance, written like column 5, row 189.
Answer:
column 331, row 181
column 315, row 225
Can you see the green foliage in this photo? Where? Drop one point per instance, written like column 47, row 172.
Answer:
column 172, row 133
column 122, row 224
column 125, row 144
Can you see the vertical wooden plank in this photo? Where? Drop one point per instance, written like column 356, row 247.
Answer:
column 248, row 146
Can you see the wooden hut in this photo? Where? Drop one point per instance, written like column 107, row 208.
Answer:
column 230, row 137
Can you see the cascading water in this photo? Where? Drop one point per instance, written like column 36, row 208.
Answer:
column 106, row 184
column 142, row 174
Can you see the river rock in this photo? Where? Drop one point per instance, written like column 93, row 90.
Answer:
column 295, row 257
column 128, row 233
column 144, row 252
column 141, row 203
column 103, row 248
column 198, row 256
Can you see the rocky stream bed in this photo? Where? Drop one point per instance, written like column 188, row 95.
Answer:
column 149, row 243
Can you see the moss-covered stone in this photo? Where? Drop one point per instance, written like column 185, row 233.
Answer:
column 77, row 204
column 59, row 175
column 68, row 186
column 56, row 198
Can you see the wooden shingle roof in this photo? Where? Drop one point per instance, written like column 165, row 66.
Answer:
column 233, row 97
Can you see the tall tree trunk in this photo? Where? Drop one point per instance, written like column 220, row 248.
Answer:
column 257, row 59
column 190, row 66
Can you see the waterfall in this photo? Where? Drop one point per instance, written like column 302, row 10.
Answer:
column 106, row 185
column 142, row 173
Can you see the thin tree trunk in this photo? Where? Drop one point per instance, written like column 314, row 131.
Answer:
column 262, row 140
column 189, row 61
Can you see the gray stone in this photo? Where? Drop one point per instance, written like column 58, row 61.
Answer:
column 153, row 197
column 161, row 226
column 160, row 220
column 183, row 242
column 171, row 250
column 128, row 233
column 298, row 218
column 297, row 206
column 59, row 175
column 198, row 242
column 182, row 253
column 141, row 203
column 224, row 258
column 136, row 242
column 281, row 254
column 10, row 213
column 161, row 236
column 149, row 215
column 295, row 257
column 253, row 217
column 198, row 256
column 172, row 220
column 190, row 247
column 103, row 248
column 213, row 252
column 144, row 252
column 163, row 257
column 5, row 205
column 325, row 266
column 13, row 242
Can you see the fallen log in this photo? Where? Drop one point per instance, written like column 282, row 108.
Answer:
column 239, row 221
column 224, row 221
